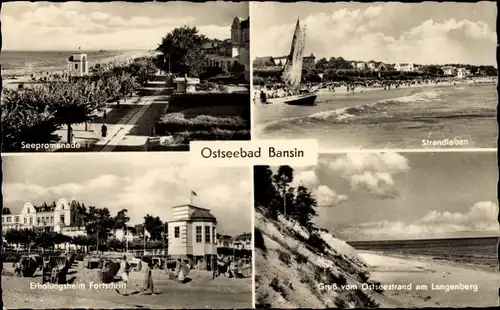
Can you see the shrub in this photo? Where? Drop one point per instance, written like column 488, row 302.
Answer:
column 176, row 122
column 258, row 240
column 340, row 302
column 278, row 287
column 317, row 242
column 285, row 257
column 300, row 259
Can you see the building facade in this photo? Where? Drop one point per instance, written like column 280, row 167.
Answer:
column 78, row 65
column 309, row 62
column 63, row 217
column 224, row 53
column 462, row 73
column 404, row 67
column 192, row 234
column 449, row 70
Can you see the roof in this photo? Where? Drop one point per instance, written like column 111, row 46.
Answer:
column 202, row 216
column 77, row 57
column 264, row 61
column 243, row 237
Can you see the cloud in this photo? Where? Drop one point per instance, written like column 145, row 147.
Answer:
column 371, row 172
column 61, row 26
column 227, row 192
column 325, row 196
column 369, row 33
column 480, row 219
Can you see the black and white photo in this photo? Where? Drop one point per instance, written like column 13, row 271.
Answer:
column 376, row 75
column 378, row 230
column 85, row 231
column 123, row 76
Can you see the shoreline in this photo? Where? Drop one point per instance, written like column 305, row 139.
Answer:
column 11, row 80
column 430, row 283
column 360, row 90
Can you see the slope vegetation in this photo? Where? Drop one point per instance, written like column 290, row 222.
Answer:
column 298, row 268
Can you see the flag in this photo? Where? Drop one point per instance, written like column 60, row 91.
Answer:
column 147, row 234
column 193, row 193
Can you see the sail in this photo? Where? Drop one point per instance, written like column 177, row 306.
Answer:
column 292, row 72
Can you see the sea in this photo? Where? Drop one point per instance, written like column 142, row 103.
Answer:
column 397, row 118
column 31, row 62
column 479, row 253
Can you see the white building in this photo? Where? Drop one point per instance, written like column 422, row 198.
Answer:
column 462, row 73
column 449, row 70
column 243, row 242
column 358, row 65
column 192, row 234
column 404, row 67
column 63, row 216
column 78, row 65
column 224, row 53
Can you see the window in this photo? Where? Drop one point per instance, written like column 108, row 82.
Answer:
column 207, row 234
column 51, row 220
column 177, row 232
column 213, row 235
column 25, row 220
column 38, row 220
column 198, row 234
column 16, row 219
column 31, row 221
column 76, row 67
column 3, row 219
column 62, row 218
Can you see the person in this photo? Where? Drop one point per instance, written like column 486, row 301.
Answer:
column 147, row 284
column 104, row 131
column 263, row 97
column 125, row 271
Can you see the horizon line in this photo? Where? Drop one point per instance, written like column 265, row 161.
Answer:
column 423, row 239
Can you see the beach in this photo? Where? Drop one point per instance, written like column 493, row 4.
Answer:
column 433, row 284
column 200, row 292
column 41, row 64
column 397, row 118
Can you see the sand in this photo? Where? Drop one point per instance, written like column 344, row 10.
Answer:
column 201, row 292
column 403, row 271
column 359, row 90
column 12, row 83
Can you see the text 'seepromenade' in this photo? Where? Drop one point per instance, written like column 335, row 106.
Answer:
column 266, row 152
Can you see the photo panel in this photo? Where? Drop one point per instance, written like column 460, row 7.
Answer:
column 378, row 230
column 124, row 76
column 375, row 75
column 102, row 231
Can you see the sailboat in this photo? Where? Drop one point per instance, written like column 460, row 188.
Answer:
column 292, row 71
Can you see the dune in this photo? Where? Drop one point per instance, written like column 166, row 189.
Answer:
column 296, row 268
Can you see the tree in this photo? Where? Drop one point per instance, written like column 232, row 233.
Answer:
column 322, row 64
column 121, row 219
column 303, row 207
column 181, row 51
column 236, row 68
column 6, row 211
column 282, row 178
column 154, row 226
column 74, row 102
column 143, row 69
column 99, row 224
column 25, row 118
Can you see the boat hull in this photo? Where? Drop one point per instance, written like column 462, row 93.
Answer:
column 307, row 99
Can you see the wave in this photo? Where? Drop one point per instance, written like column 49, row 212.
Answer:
column 392, row 110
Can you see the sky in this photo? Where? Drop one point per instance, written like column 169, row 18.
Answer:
column 388, row 196
column 110, row 26
column 424, row 33
column 142, row 184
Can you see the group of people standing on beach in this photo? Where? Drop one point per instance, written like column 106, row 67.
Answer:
column 147, row 287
